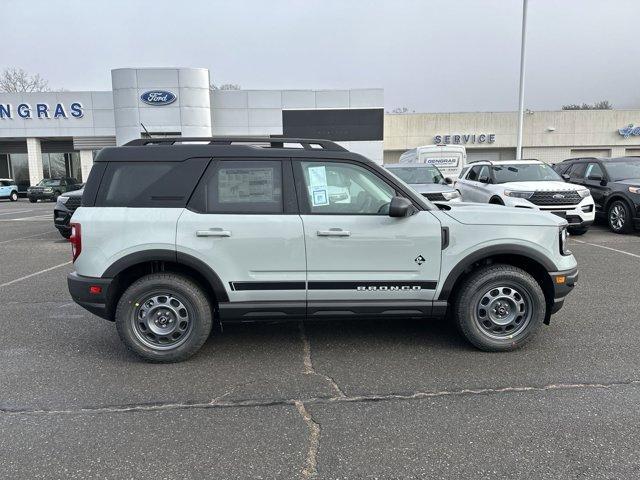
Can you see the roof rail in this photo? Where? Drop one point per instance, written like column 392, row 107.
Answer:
column 275, row 141
column 478, row 161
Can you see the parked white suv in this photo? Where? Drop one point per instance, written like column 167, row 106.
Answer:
column 172, row 236
column 427, row 180
column 528, row 184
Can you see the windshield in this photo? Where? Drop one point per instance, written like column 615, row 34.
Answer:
column 48, row 182
column 415, row 175
column 623, row 170
column 532, row 172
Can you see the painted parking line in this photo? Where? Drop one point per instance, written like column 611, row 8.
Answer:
column 27, row 236
column 6, row 284
column 607, row 248
column 16, row 211
column 33, row 218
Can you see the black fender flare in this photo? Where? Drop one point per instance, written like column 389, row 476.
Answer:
column 172, row 256
column 488, row 252
column 617, row 196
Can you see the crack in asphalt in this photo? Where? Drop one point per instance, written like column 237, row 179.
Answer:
column 219, row 403
column 310, row 468
column 308, row 368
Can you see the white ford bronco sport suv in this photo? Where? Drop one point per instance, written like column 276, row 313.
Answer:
column 528, row 184
column 176, row 233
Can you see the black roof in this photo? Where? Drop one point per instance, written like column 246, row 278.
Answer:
column 177, row 149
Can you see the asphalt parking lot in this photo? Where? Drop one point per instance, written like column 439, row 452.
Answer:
column 376, row 399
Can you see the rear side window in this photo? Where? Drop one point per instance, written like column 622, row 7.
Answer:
column 150, row 184
column 240, row 186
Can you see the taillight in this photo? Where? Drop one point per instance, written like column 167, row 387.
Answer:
column 76, row 240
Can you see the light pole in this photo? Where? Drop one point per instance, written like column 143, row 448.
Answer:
column 521, row 94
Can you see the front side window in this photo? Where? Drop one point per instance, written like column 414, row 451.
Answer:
column 473, row 174
column 594, row 170
column 532, row 172
column 47, row 182
column 343, row 188
column 241, row 186
column 577, row 171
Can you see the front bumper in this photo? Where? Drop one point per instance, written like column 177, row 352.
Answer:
column 41, row 195
column 61, row 219
column 580, row 215
column 96, row 303
column 563, row 282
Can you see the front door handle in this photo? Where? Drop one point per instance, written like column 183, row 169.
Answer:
column 334, row 232
column 213, row 232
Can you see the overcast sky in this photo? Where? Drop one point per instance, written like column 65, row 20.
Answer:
column 429, row 56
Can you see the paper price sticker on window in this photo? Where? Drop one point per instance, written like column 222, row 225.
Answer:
column 317, row 177
column 319, row 197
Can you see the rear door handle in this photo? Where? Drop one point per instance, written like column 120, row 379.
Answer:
column 213, row 232
column 334, row 232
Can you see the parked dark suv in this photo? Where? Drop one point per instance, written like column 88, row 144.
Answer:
column 63, row 211
column 52, row 188
column 614, row 184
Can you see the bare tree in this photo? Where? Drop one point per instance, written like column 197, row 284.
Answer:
column 225, row 86
column 601, row 105
column 17, row 80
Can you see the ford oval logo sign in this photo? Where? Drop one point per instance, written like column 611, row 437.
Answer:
column 158, row 97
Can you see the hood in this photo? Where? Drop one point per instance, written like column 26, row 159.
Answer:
column 74, row 193
column 634, row 182
column 430, row 187
column 541, row 186
column 488, row 214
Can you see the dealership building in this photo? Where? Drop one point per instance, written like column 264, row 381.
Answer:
column 56, row 134
column 550, row 136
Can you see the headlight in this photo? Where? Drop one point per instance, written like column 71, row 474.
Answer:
column 63, row 200
column 635, row 190
column 451, row 195
column 563, row 241
column 584, row 193
column 47, row 190
column 518, row 194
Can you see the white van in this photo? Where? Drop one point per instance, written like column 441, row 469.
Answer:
column 450, row 159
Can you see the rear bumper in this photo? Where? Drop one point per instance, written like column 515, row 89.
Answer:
column 563, row 282
column 96, row 303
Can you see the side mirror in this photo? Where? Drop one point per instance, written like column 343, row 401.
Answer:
column 595, row 178
column 565, row 177
column 448, row 180
column 483, row 179
column 400, row 207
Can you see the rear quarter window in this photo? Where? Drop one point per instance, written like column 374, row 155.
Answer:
column 149, row 184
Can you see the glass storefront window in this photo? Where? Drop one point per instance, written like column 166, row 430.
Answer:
column 20, row 170
column 57, row 165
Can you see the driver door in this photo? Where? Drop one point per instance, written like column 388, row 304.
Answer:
column 355, row 251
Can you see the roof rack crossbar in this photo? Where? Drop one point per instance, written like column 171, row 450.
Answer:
column 275, row 141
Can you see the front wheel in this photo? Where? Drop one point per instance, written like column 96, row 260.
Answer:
column 33, row 200
column 164, row 317
column 619, row 217
column 499, row 308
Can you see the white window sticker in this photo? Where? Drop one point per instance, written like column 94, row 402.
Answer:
column 319, row 197
column 317, row 177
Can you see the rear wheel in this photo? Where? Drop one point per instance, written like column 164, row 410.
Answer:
column 56, row 194
column 33, row 200
column 13, row 197
column 164, row 317
column 499, row 308
column 619, row 217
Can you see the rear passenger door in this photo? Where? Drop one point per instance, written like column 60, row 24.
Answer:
column 242, row 221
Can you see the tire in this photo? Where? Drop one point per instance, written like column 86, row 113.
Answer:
column 496, row 201
column 14, row 196
column 577, row 230
column 56, row 194
column 65, row 233
column 619, row 217
column 33, row 200
column 519, row 304
column 182, row 310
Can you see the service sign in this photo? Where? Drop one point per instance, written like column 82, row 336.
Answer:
column 158, row 97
